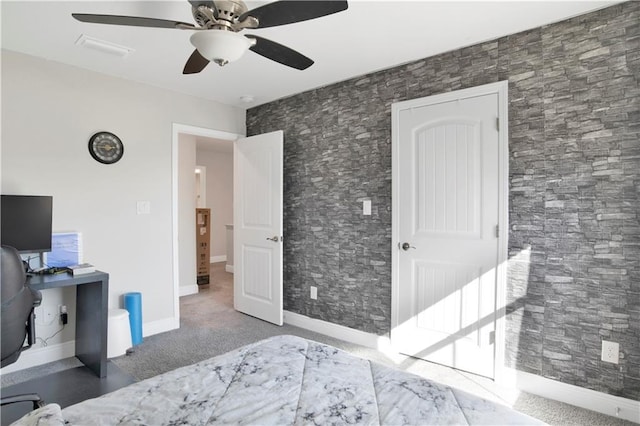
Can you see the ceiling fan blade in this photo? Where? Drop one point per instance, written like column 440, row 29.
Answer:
column 279, row 53
column 209, row 3
column 287, row 11
column 195, row 63
column 134, row 21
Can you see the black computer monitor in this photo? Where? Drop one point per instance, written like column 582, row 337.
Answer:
column 26, row 222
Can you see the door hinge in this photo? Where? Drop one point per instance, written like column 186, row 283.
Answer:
column 497, row 231
column 492, row 337
column 498, row 123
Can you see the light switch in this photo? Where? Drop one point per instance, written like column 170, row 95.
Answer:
column 144, row 207
column 366, row 207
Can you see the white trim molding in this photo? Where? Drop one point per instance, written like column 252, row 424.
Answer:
column 186, row 290
column 42, row 355
column 159, row 326
column 337, row 331
column 600, row 402
column 217, row 259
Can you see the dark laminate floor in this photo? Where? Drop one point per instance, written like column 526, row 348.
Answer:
column 65, row 388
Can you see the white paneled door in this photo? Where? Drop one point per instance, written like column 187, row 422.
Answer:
column 257, row 213
column 447, row 223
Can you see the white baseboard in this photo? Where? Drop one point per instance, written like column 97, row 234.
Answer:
column 216, row 259
column 229, row 268
column 337, row 331
column 160, row 326
column 600, row 402
column 186, row 290
column 42, row 355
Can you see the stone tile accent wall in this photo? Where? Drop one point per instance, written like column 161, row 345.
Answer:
column 574, row 209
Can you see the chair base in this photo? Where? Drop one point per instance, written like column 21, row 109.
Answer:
column 26, row 397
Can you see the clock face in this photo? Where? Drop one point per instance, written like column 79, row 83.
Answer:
column 106, row 147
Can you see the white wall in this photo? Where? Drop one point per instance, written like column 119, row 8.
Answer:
column 49, row 111
column 186, row 214
column 219, row 195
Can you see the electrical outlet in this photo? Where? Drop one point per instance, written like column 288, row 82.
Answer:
column 314, row 292
column 64, row 316
column 610, row 351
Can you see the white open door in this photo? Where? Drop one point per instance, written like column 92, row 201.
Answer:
column 257, row 216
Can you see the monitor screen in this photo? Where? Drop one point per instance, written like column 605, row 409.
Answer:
column 26, row 222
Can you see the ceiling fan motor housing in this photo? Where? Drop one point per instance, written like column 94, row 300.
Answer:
column 226, row 18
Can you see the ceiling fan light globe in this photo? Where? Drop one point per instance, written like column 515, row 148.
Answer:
column 220, row 46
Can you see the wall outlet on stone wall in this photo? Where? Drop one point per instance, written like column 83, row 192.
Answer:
column 314, row 292
column 610, row 351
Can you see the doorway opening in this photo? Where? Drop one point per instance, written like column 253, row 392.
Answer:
column 214, row 174
column 185, row 141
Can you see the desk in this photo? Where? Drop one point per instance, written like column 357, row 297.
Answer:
column 92, row 309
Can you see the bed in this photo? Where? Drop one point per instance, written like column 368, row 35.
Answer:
column 283, row 380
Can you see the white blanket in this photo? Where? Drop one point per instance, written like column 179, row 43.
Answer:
column 287, row 380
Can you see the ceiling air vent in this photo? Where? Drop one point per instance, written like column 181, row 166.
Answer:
column 103, row 46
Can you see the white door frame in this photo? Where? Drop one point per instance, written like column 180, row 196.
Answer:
column 177, row 130
column 501, row 89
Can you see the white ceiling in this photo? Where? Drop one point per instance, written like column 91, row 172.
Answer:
column 369, row 36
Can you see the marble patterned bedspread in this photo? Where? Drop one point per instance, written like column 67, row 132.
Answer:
column 287, row 380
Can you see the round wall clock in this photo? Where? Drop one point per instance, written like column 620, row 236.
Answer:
column 106, row 147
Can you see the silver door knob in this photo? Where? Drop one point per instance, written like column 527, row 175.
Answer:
column 275, row 238
column 406, row 246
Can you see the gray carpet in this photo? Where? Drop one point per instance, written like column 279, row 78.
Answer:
column 190, row 344
column 210, row 326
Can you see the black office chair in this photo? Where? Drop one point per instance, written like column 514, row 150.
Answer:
column 18, row 318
